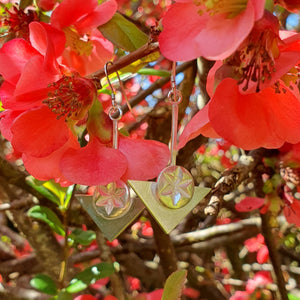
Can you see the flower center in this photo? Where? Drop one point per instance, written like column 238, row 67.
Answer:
column 255, row 59
column 81, row 45
column 231, row 8
column 16, row 22
column 70, row 97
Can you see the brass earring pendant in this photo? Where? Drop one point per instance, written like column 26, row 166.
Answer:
column 111, row 206
column 173, row 195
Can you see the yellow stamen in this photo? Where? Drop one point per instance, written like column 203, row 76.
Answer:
column 77, row 43
column 230, row 8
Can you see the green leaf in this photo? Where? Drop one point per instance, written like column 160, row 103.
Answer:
column 68, row 195
column 154, row 72
column 63, row 295
column 89, row 276
column 48, row 216
column 123, row 33
column 174, row 285
column 83, row 237
column 38, row 186
column 57, row 190
column 44, row 284
column 293, row 297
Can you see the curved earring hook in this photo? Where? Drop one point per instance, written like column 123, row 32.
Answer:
column 121, row 86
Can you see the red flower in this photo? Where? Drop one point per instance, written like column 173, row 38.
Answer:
column 291, row 5
column 86, row 49
column 259, row 106
column 240, row 295
column 261, row 280
column 17, row 21
column 86, row 297
column 43, row 100
column 249, row 204
column 256, row 244
column 46, row 4
column 133, row 160
column 213, row 29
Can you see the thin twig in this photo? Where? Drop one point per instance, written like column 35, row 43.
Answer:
column 125, row 61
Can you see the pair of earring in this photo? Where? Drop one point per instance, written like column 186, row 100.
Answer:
column 169, row 199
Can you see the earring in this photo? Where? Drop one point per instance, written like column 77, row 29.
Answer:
column 111, row 206
column 173, row 195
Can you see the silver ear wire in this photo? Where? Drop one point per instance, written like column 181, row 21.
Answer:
column 115, row 112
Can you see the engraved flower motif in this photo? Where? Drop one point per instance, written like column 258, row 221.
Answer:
column 175, row 184
column 111, row 196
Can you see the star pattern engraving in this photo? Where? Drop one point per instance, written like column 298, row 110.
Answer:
column 175, row 183
column 111, row 196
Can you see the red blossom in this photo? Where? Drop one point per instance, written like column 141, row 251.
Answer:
column 46, row 4
column 291, row 5
column 85, row 297
column 256, row 244
column 133, row 160
column 240, row 295
column 17, row 22
column 86, row 49
column 251, row 95
column 198, row 30
column 261, row 280
column 249, row 204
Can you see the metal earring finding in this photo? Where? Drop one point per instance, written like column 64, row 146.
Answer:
column 112, row 200
column 175, row 184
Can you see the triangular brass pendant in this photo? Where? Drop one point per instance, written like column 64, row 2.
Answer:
column 111, row 227
column 168, row 218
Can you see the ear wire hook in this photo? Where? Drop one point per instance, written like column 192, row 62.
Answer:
column 115, row 112
column 121, row 86
column 174, row 97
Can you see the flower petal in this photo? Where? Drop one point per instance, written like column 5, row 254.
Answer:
column 205, row 35
column 199, row 124
column 34, row 78
column 42, row 34
column 87, row 64
column 291, row 213
column 69, row 11
column 146, row 158
column 177, row 40
column 102, row 14
column 93, row 164
column 7, row 118
column 38, row 133
column 48, row 167
column 249, row 204
column 215, row 43
column 13, row 57
column 265, row 119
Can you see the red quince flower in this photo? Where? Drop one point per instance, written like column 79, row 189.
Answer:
column 85, row 297
column 44, row 104
column 135, row 161
column 257, row 244
column 16, row 20
column 255, row 104
column 43, row 100
column 249, row 204
column 46, row 4
column 103, row 164
column 261, row 280
column 86, row 49
column 240, row 295
column 213, row 29
column 291, row 5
